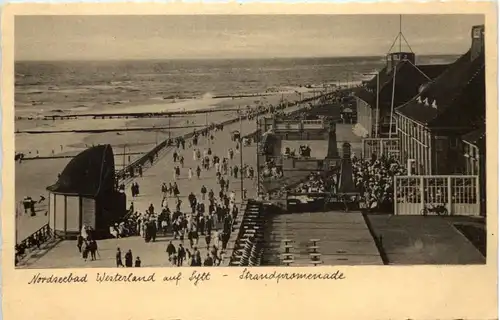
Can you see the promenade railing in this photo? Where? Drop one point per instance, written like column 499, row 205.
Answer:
column 33, row 242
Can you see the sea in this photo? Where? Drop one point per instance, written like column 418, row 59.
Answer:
column 78, row 82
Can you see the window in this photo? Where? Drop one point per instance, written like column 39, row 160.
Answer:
column 439, row 144
column 453, row 143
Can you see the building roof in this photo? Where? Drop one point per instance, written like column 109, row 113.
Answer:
column 90, row 173
column 408, row 81
column 452, row 99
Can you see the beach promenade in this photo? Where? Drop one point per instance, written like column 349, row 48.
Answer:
column 33, row 176
column 65, row 254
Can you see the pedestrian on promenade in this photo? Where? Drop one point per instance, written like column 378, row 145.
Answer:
column 208, row 239
column 198, row 172
column 175, row 156
column 119, row 262
column 236, row 169
column 164, row 189
column 181, row 160
column 170, row 251
column 137, row 189
column 86, row 251
column 209, row 261
column 128, row 259
column 190, row 173
column 181, row 255
column 93, row 249
column 176, row 190
column 79, row 243
column 137, row 262
column 203, row 192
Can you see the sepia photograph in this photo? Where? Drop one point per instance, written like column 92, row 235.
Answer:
column 249, row 140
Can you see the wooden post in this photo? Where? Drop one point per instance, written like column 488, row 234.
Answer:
column 478, row 194
column 450, row 199
column 395, row 195
column 422, row 193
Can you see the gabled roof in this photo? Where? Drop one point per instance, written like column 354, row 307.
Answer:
column 90, row 173
column 449, row 101
column 408, row 81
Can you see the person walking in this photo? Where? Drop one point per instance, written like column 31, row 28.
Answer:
column 190, row 173
column 137, row 262
column 203, row 192
column 128, row 259
column 170, row 251
column 86, row 251
column 79, row 243
column 181, row 255
column 119, row 262
column 93, row 249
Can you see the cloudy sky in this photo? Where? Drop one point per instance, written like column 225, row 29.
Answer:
column 193, row 37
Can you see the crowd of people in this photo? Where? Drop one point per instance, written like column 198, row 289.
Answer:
column 271, row 170
column 317, row 183
column 207, row 225
column 211, row 216
column 375, row 179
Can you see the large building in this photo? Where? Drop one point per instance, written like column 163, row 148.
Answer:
column 431, row 125
column 400, row 80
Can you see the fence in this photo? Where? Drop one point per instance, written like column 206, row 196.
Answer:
column 459, row 195
column 34, row 241
column 380, row 147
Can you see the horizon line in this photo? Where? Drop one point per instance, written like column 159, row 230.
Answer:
column 227, row 58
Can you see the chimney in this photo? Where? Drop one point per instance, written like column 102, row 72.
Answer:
column 477, row 46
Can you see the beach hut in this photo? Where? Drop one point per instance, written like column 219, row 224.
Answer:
column 85, row 195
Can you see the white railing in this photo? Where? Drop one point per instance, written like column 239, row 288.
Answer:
column 454, row 195
column 380, row 147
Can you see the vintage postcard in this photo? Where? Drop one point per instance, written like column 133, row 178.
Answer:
column 250, row 161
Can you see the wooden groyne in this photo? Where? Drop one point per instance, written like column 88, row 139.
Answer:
column 111, row 129
column 68, row 156
column 127, row 115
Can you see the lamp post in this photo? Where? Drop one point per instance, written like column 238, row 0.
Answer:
column 258, row 153
column 169, row 117
column 241, row 154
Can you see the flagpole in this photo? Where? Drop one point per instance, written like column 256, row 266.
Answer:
column 258, row 153
column 241, row 155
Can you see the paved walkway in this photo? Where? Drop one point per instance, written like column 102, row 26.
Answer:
column 153, row 254
column 411, row 240
column 343, row 239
